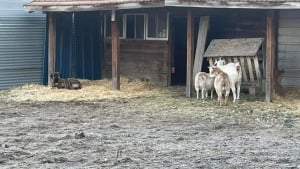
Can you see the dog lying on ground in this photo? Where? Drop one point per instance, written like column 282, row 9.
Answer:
column 60, row 83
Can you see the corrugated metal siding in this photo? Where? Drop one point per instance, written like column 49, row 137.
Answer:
column 289, row 47
column 22, row 39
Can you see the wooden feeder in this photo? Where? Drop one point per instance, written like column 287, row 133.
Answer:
column 244, row 51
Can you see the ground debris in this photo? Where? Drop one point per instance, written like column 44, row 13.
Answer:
column 79, row 135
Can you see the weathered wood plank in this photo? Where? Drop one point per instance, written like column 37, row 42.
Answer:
column 250, row 70
column 235, row 59
column 210, row 61
column 201, row 42
column 190, row 52
column 51, row 45
column 233, row 47
column 257, row 69
column 245, row 77
column 115, row 56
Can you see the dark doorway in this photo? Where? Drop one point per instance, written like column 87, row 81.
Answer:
column 179, row 36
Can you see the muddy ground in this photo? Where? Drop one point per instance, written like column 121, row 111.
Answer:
column 168, row 131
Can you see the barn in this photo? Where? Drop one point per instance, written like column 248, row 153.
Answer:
column 22, row 43
column 161, row 40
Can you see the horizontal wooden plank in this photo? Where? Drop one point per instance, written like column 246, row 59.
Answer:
column 289, row 22
column 290, row 82
column 284, row 64
column 289, row 48
column 288, row 39
column 290, row 31
column 288, row 55
column 283, row 14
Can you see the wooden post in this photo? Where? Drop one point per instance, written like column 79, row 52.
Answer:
column 270, row 55
column 190, row 52
column 51, row 45
column 115, row 52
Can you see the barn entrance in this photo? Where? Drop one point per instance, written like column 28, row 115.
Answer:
column 179, row 36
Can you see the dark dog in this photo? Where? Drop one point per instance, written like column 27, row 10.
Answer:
column 60, row 83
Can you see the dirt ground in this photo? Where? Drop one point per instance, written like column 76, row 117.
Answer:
column 150, row 131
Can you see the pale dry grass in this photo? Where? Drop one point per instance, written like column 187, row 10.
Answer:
column 92, row 90
column 290, row 97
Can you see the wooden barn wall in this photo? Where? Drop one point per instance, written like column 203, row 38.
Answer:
column 228, row 23
column 233, row 23
column 150, row 59
column 289, row 47
column 237, row 24
column 140, row 59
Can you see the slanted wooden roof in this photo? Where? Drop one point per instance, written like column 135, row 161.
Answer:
column 233, row 47
column 88, row 5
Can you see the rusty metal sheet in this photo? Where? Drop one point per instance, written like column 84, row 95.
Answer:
column 233, row 47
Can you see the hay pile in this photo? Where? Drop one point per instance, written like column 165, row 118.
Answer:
column 92, row 90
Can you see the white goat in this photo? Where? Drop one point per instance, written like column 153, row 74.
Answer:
column 233, row 70
column 204, row 82
column 221, row 83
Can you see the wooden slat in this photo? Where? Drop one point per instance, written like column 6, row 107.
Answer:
column 201, row 42
column 190, row 52
column 256, row 65
column 245, row 77
column 115, row 56
column 211, row 62
column 51, row 45
column 250, row 69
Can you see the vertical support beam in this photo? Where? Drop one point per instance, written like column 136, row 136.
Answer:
column 190, row 53
column 270, row 58
column 115, row 52
column 51, row 45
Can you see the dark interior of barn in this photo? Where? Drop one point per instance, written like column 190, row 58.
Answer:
column 223, row 24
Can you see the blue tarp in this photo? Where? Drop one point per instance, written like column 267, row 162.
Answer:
column 79, row 46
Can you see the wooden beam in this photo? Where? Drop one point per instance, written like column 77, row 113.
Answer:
column 115, row 53
column 270, row 58
column 51, row 45
column 201, row 41
column 190, row 53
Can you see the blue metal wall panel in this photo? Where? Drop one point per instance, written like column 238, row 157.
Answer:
column 22, row 37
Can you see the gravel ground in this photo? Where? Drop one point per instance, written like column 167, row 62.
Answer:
column 168, row 131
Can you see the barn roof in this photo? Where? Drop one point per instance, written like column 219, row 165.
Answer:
column 233, row 47
column 252, row 4
column 89, row 5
